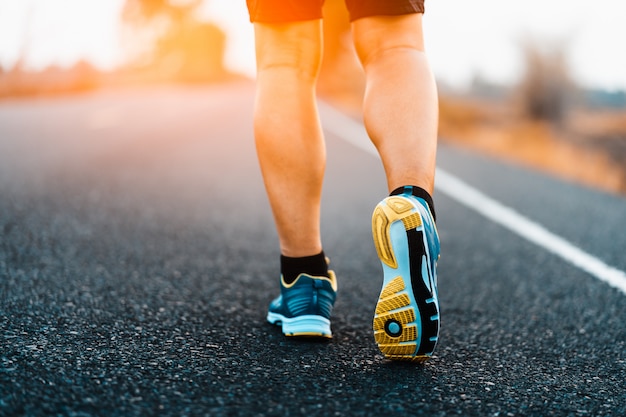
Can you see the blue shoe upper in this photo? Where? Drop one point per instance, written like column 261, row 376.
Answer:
column 307, row 295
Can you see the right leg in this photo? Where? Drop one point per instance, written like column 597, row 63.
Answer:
column 400, row 106
column 400, row 112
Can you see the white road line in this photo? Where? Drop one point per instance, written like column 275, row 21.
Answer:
column 353, row 132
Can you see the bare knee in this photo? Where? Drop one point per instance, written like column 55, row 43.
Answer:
column 294, row 47
column 376, row 36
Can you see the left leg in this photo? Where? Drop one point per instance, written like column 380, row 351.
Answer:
column 292, row 155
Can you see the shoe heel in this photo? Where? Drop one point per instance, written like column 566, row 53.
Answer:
column 394, row 208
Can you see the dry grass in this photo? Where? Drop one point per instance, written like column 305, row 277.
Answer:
column 590, row 148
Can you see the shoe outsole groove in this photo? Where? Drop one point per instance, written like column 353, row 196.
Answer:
column 395, row 286
column 392, row 303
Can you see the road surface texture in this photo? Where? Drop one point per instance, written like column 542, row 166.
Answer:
column 138, row 257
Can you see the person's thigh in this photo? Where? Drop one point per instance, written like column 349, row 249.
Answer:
column 284, row 11
column 369, row 8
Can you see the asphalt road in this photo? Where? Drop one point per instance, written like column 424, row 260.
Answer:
column 138, row 256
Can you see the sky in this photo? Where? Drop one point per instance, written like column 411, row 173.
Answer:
column 464, row 39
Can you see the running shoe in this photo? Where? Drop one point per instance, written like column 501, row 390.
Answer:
column 303, row 307
column 406, row 320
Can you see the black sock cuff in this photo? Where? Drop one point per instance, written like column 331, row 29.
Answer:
column 314, row 265
column 417, row 192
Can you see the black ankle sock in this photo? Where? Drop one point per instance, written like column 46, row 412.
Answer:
column 314, row 265
column 420, row 193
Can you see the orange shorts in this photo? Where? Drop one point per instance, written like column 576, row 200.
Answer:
column 285, row 11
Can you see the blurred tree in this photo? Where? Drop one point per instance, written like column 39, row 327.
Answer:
column 173, row 42
column 546, row 91
column 143, row 11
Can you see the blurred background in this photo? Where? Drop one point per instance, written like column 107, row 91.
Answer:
column 540, row 82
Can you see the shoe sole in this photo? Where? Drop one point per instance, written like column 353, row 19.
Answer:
column 406, row 320
column 302, row 326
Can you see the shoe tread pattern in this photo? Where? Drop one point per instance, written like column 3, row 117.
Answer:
column 394, row 305
column 394, row 302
